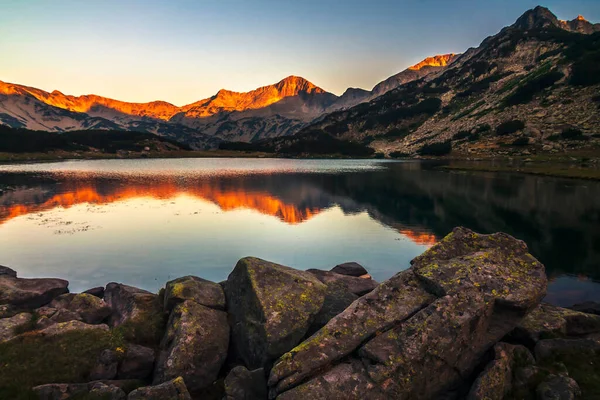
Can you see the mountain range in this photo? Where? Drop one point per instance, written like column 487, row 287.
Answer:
column 540, row 74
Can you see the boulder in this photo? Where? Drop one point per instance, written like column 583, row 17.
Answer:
column 271, row 308
column 30, row 293
column 97, row 291
column 445, row 312
column 9, row 326
column 91, row 309
column 496, row 380
column 106, row 366
column 64, row 327
column 171, row 390
column 137, row 363
column 195, row 345
column 337, row 299
column 357, row 286
column 201, row 291
column 102, row 391
column 350, row 269
column 128, row 303
column 49, row 316
column 92, row 390
column 5, row 271
column 241, row 384
column 548, row 321
column 550, row 349
column 558, row 387
column 589, row 307
column 7, row 311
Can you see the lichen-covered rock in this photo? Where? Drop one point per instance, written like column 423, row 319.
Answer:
column 195, row 345
column 355, row 285
column 547, row 321
column 128, row 303
column 457, row 300
column 30, row 293
column 201, row 291
column 136, row 363
column 495, row 382
column 171, row 390
column 556, row 348
column 60, row 391
column 9, row 326
column 102, row 391
column 271, row 308
column 106, row 366
column 558, row 387
column 91, row 309
column 337, row 299
column 7, row 271
column 64, row 327
column 588, row 307
column 350, row 269
column 241, row 384
column 47, row 316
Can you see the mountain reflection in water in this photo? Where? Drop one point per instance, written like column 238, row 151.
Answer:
column 558, row 219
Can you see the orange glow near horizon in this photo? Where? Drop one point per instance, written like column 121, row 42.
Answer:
column 226, row 200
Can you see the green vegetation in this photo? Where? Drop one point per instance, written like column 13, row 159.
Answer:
column 436, row 149
column 32, row 360
column 509, row 127
column 525, row 93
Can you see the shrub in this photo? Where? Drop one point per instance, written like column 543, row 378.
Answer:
column 524, row 94
column 461, row 135
column 436, row 149
column 521, row 141
column 509, row 127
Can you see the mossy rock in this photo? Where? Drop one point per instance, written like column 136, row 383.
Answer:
column 200, row 290
column 271, row 307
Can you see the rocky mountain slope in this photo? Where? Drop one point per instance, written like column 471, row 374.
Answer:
column 532, row 87
column 270, row 111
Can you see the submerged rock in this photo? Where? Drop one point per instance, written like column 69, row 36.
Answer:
column 30, row 293
column 271, row 308
column 350, row 269
column 195, row 345
column 201, row 291
column 171, row 390
column 241, row 384
column 455, row 302
column 91, row 309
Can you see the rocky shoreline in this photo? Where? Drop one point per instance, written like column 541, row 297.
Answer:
column 465, row 321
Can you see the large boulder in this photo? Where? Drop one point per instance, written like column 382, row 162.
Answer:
column 201, row 291
column 271, row 308
column 355, row 285
column 136, row 363
column 547, row 321
column 30, row 293
column 241, row 384
column 195, row 345
column 5, row 271
column 91, row 309
column 558, row 387
column 496, row 380
column 106, row 366
column 96, row 291
column 420, row 334
column 47, row 316
column 70, row 326
column 9, row 326
column 588, row 307
column 171, row 390
column 128, row 303
column 92, row 390
column 337, row 299
column 350, row 269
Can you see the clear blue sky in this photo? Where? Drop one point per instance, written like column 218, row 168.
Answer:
column 183, row 51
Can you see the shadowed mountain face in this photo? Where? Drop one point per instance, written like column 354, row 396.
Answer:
column 423, row 204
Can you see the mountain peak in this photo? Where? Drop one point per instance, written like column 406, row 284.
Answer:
column 435, row 61
column 292, row 85
column 539, row 17
column 581, row 18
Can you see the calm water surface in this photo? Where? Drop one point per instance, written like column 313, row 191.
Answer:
column 143, row 222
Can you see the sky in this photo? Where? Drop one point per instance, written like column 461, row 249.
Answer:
column 182, row 51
